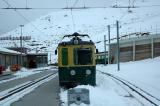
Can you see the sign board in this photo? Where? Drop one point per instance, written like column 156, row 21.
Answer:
column 78, row 96
column 16, row 38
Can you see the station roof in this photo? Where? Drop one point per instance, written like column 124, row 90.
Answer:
column 8, row 51
column 37, row 54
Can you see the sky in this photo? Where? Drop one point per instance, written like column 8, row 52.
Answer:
column 10, row 19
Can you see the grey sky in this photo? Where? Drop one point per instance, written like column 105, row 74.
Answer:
column 9, row 19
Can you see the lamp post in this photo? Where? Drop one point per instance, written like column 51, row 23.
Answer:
column 105, row 50
column 21, row 44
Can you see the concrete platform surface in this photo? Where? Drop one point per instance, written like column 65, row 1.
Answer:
column 46, row 94
column 13, row 83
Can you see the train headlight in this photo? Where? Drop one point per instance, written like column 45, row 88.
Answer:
column 73, row 72
column 88, row 72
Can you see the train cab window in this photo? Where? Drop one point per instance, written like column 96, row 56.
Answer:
column 64, row 56
column 82, row 56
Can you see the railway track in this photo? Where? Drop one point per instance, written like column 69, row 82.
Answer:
column 9, row 95
column 6, row 78
column 135, row 90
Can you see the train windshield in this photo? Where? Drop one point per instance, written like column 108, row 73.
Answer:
column 83, row 56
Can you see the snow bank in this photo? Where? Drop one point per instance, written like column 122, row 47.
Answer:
column 144, row 74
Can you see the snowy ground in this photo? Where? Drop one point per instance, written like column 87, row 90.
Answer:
column 144, row 74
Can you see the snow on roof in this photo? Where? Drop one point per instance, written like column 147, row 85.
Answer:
column 147, row 37
column 37, row 54
column 8, row 51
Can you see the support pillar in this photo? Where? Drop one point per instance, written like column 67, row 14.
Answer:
column 134, row 52
column 152, row 48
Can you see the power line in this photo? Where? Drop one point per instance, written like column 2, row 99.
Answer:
column 75, row 3
column 74, row 25
column 73, row 21
column 144, row 19
column 66, row 3
column 29, row 22
column 26, row 4
column 85, row 7
column 84, row 3
column 63, row 8
column 23, row 17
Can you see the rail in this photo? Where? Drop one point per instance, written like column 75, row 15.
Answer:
column 25, row 86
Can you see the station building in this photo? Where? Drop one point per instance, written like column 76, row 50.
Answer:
column 35, row 60
column 137, row 48
column 10, row 57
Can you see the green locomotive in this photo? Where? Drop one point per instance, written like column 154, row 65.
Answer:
column 101, row 58
column 76, row 61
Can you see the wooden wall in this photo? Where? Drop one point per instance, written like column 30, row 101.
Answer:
column 156, row 49
column 126, row 54
column 142, row 51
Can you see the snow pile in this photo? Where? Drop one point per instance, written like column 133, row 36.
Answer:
column 24, row 73
column 99, row 96
column 145, row 74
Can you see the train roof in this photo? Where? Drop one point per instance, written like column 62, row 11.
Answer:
column 76, row 35
column 79, row 43
column 77, row 39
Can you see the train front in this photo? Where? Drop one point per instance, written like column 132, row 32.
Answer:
column 76, row 62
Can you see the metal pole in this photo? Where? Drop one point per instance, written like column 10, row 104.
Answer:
column 104, row 49
column 21, row 44
column 152, row 48
column 134, row 48
column 50, row 58
column 118, row 56
column 156, row 29
column 108, row 44
column 26, row 4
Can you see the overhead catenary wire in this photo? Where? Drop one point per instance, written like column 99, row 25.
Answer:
column 74, row 25
column 73, row 22
column 84, row 3
column 67, row 3
column 75, row 3
column 80, row 7
column 26, row 4
column 133, row 2
column 27, row 20
column 71, row 8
